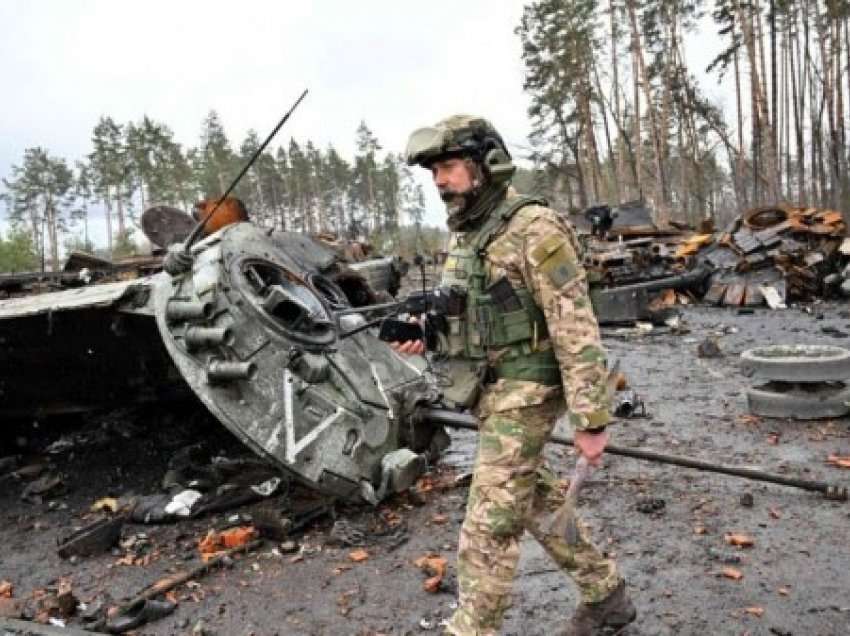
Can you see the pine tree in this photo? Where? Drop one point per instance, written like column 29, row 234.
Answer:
column 39, row 197
column 365, row 174
column 338, row 173
column 107, row 169
column 214, row 163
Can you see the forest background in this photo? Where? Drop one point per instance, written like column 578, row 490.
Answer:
column 615, row 111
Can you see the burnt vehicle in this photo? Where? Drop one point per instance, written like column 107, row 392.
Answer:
column 263, row 329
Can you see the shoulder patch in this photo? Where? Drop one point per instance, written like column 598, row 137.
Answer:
column 555, row 257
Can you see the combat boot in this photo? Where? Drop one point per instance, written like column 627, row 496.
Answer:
column 615, row 610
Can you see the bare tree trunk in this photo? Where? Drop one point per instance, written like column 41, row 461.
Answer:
column 613, row 166
column 837, row 120
column 636, row 143
column 798, row 99
column 828, row 101
column 762, row 129
column 663, row 209
column 618, row 113
column 785, row 135
column 591, row 150
column 53, row 234
column 108, row 203
column 773, row 106
column 684, row 194
column 738, row 167
column 119, row 209
column 841, row 27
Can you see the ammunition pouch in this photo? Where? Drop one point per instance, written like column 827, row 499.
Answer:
column 499, row 317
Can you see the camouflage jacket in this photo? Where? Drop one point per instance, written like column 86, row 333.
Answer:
column 537, row 249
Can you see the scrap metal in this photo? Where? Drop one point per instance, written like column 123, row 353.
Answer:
column 767, row 255
column 251, row 329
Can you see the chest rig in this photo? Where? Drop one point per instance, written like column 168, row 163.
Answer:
column 502, row 328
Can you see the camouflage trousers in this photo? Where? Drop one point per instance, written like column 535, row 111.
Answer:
column 512, row 491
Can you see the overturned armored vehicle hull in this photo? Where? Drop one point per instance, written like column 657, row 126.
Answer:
column 252, row 330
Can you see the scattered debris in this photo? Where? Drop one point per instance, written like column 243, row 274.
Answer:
column 142, row 613
column 358, row 555
column 35, row 491
column 839, row 461
column 344, row 533
column 709, row 348
column 10, row 607
column 765, row 256
column 724, row 556
column 167, row 584
column 269, row 524
column 106, row 504
column 99, row 536
column 747, row 500
column 780, row 251
column 755, row 611
column 435, row 566
column 57, row 602
column 628, row 403
column 739, row 540
column 216, row 543
column 732, row 573
column 650, row 505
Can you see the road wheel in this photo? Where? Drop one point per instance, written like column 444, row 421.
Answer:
column 797, row 363
column 812, row 401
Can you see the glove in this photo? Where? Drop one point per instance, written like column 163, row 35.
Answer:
column 178, row 260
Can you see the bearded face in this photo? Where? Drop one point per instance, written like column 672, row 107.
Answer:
column 460, row 190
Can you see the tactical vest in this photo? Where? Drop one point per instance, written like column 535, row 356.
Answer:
column 492, row 323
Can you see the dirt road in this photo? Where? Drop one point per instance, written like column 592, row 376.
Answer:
column 666, row 526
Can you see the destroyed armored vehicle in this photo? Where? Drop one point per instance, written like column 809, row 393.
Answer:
column 261, row 329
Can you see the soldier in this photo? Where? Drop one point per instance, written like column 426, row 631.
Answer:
column 528, row 322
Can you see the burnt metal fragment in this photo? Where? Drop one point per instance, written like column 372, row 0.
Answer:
column 95, row 538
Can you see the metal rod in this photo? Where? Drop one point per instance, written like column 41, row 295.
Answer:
column 838, row 493
column 367, row 308
column 196, row 231
column 363, row 327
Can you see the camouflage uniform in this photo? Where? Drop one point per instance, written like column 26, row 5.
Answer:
column 511, row 490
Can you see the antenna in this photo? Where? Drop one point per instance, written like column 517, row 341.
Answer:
column 196, row 231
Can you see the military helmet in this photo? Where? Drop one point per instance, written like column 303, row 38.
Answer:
column 462, row 136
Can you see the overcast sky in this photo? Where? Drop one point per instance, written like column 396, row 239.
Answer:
column 398, row 65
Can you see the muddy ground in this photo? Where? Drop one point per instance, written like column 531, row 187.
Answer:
column 795, row 578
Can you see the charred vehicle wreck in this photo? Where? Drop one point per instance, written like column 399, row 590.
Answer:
column 263, row 329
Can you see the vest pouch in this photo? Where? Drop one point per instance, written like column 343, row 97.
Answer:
column 465, row 386
column 515, row 327
column 456, row 336
column 483, row 320
column 538, row 366
column 499, row 329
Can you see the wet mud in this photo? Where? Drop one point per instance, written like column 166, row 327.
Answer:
column 794, row 579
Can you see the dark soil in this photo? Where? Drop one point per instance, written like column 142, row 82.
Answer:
column 672, row 553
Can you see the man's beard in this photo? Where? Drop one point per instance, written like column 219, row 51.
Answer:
column 458, row 202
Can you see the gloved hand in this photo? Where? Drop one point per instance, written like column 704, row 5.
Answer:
column 178, row 260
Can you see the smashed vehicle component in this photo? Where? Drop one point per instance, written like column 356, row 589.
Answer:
column 252, row 330
column 767, row 255
column 804, row 382
column 630, row 303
